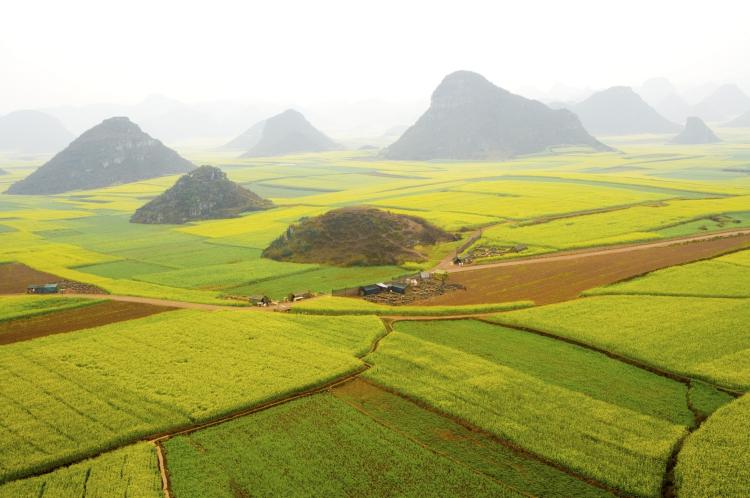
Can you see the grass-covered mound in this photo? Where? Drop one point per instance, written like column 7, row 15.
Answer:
column 359, row 235
column 204, row 193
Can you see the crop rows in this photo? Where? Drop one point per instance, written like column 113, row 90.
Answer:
column 715, row 460
column 567, row 411
column 129, row 471
column 68, row 396
column 705, row 338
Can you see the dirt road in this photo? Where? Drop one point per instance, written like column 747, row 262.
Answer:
column 166, row 302
column 447, row 264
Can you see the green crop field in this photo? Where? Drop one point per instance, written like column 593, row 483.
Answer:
column 443, row 407
column 12, row 307
column 618, row 438
column 278, row 452
column 467, row 446
column 715, row 460
column 719, row 277
column 323, row 280
column 699, row 337
column 328, row 305
column 129, row 471
column 604, row 198
column 71, row 395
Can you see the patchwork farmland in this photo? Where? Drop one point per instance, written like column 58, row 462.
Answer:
column 607, row 356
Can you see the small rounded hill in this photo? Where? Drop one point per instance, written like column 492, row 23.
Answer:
column 357, row 236
column 203, row 194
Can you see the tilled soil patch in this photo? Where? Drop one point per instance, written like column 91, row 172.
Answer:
column 16, row 277
column 553, row 281
column 69, row 320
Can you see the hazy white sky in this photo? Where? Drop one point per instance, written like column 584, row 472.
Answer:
column 77, row 51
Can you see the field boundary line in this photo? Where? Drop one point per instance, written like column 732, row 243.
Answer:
column 158, row 438
column 161, row 461
column 158, row 441
column 162, row 437
column 520, row 450
column 427, row 447
column 684, row 379
column 699, row 260
column 484, row 318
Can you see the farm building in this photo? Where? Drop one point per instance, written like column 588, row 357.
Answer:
column 299, row 296
column 260, row 300
column 369, row 290
column 43, row 289
column 398, row 288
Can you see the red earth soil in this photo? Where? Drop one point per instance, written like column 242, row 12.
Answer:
column 16, row 277
column 23, row 329
column 552, row 281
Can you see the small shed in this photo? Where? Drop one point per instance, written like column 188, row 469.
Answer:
column 425, row 275
column 43, row 289
column 399, row 288
column 369, row 290
column 519, row 248
column 260, row 300
column 299, row 296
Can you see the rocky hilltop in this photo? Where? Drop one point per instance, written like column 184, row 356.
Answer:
column 621, row 111
column 356, row 236
column 695, row 132
column 32, row 132
column 285, row 133
column 470, row 118
column 113, row 152
column 204, row 193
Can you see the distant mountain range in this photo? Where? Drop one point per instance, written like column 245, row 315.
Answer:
column 727, row 102
column 113, row 152
column 720, row 104
column 32, row 132
column 285, row 133
column 621, row 111
column 204, row 193
column 174, row 121
column 470, row 118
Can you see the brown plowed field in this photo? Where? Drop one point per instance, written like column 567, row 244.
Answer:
column 15, row 277
column 85, row 317
column 555, row 279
